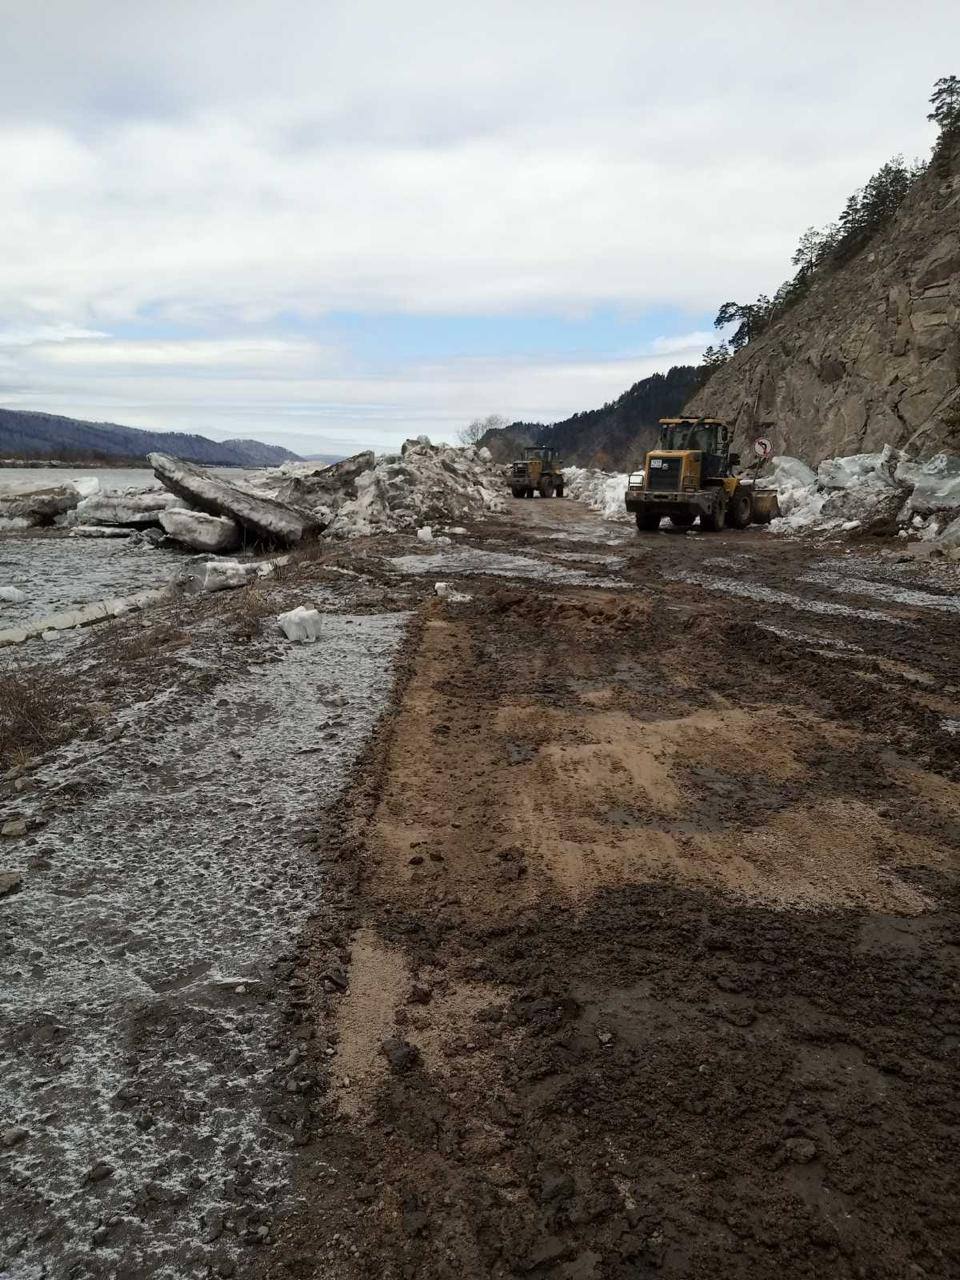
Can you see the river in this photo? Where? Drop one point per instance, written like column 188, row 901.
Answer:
column 112, row 479
column 56, row 572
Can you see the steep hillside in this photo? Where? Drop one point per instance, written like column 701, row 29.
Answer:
column 47, row 435
column 614, row 437
column 872, row 354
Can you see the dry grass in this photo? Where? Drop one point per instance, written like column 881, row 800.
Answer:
column 308, row 552
column 127, row 640
column 39, row 709
column 247, row 610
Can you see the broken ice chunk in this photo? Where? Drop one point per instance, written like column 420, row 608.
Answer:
column 450, row 594
column 300, row 624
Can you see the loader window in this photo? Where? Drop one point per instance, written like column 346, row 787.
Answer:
column 690, row 435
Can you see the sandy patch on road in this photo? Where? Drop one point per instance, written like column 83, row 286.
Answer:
column 365, row 1018
column 562, row 797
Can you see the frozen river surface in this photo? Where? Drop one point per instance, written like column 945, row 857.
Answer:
column 61, row 573
column 112, row 479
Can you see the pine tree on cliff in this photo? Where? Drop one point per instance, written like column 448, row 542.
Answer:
column 945, row 101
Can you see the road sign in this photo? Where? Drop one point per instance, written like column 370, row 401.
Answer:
column 762, row 447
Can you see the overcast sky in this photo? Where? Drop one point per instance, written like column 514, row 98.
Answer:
column 333, row 225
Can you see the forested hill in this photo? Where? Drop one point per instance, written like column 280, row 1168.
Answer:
column 615, row 437
column 25, row 434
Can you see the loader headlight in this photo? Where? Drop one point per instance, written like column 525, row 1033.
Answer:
column 635, row 479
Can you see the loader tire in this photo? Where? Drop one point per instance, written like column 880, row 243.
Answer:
column 560, row 491
column 648, row 521
column 740, row 510
column 713, row 521
column 682, row 519
column 518, row 492
column 546, row 487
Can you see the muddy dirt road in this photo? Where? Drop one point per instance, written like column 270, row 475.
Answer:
column 645, row 951
column 620, row 939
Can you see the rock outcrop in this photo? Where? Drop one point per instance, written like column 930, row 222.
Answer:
column 872, row 354
column 267, row 520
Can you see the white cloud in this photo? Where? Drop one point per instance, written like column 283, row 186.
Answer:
column 29, row 335
column 683, row 344
column 307, row 403
column 255, row 355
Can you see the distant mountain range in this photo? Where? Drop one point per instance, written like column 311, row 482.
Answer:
column 615, row 437
column 24, row 434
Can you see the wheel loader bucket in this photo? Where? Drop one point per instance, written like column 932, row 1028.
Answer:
column 765, row 505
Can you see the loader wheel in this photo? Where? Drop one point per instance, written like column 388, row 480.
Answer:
column 546, row 487
column 714, row 520
column 560, row 491
column 740, row 511
column 682, row 519
column 518, row 493
column 648, row 521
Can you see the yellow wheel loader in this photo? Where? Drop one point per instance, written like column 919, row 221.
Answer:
column 538, row 471
column 690, row 474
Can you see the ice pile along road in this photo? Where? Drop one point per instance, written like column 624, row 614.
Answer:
column 169, row 872
column 879, row 493
column 602, row 491
column 425, row 484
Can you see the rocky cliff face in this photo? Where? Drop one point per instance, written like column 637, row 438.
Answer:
column 871, row 356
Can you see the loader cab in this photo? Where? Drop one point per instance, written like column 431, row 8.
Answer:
column 707, row 436
column 537, row 470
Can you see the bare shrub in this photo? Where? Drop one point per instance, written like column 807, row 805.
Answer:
column 125, row 641
column 250, row 607
column 39, row 709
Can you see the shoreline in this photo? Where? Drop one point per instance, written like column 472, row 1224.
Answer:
column 100, row 464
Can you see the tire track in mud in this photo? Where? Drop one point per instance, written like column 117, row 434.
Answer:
column 645, row 958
